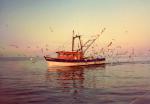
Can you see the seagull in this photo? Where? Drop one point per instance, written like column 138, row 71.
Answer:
column 50, row 29
column 46, row 49
column 126, row 31
column 109, row 44
column 12, row 45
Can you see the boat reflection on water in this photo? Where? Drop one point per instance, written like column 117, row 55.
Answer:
column 69, row 79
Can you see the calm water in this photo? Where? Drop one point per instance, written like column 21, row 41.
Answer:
column 24, row 82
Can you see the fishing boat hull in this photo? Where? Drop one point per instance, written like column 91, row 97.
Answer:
column 61, row 62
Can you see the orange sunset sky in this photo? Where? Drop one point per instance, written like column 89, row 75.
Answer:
column 37, row 23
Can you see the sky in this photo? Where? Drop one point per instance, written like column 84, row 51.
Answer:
column 31, row 24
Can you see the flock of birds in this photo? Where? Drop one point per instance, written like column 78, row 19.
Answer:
column 4, row 51
column 110, row 51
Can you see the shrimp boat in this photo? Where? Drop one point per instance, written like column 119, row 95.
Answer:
column 75, row 57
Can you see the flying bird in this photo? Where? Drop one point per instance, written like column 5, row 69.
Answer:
column 13, row 45
column 109, row 44
column 50, row 29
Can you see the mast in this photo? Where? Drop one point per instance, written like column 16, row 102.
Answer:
column 81, row 47
column 73, row 42
column 87, row 44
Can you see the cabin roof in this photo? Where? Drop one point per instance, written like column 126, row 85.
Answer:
column 69, row 52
